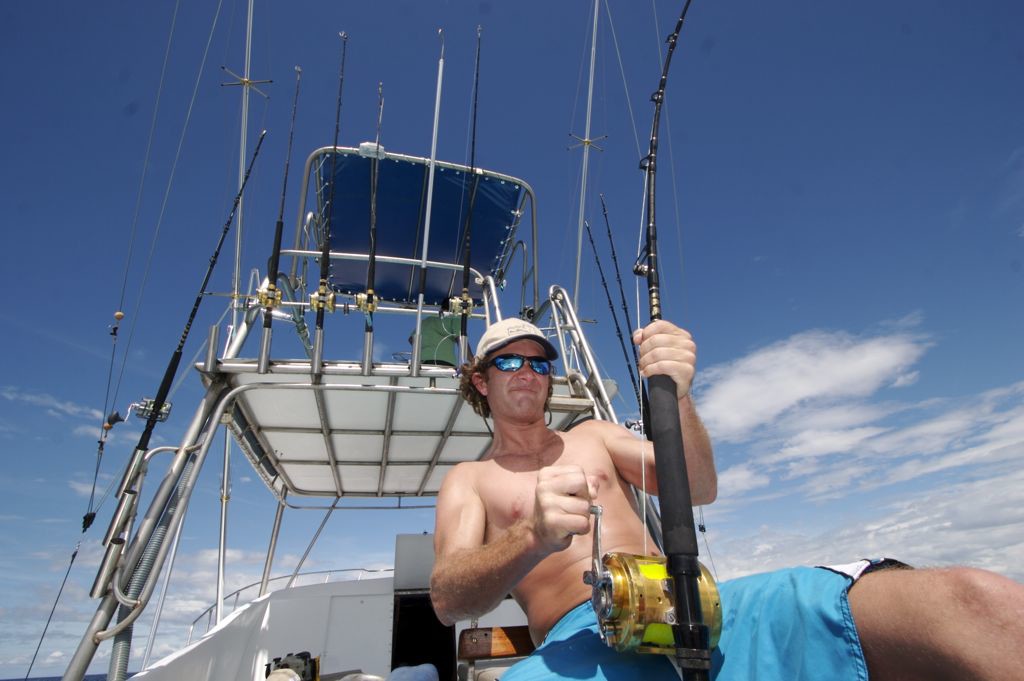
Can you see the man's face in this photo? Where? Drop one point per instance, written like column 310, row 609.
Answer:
column 515, row 395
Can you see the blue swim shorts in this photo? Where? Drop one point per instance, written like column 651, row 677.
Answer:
column 789, row 625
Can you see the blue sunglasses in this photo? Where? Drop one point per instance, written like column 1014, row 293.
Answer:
column 510, row 363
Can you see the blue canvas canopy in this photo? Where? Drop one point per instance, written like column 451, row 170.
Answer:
column 400, row 203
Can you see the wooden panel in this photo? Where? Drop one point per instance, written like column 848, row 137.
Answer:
column 495, row 642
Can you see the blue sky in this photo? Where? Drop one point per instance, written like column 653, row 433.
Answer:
column 841, row 199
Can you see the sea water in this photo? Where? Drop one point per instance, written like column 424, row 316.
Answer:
column 87, row 677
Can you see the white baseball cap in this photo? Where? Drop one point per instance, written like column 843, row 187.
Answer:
column 507, row 331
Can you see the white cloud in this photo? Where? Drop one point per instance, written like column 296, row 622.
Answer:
column 806, row 415
column 46, row 401
column 976, row 523
column 739, row 480
column 909, row 378
column 815, row 367
column 850, row 414
column 82, row 489
column 811, row 443
column 119, row 434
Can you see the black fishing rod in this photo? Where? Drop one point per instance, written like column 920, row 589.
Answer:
column 466, row 303
column 368, row 303
column 692, row 635
column 323, row 299
column 272, row 297
column 611, row 307
column 172, row 366
column 642, row 398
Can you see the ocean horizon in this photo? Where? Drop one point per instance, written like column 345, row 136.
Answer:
column 87, row 677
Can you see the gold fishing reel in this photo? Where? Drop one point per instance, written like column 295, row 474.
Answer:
column 633, row 597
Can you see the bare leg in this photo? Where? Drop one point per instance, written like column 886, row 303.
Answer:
column 940, row 624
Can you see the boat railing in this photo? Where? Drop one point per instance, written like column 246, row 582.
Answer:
column 284, row 581
column 580, row 366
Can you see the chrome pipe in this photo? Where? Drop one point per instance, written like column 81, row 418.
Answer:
column 263, row 363
column 130, row 471
column 163, row 597
column 272, row 549
column 114, row 550
column 239, row 335
column 212, row 341
column 225, row 496
column 125, row 507
column 317, row 362
column 368, row 352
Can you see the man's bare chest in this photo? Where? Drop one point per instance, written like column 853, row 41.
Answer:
column 508, row 485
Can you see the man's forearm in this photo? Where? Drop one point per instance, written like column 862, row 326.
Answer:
column 468, row 583
column 700, row 459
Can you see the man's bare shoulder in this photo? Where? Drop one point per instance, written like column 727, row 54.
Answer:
column 599, row 429
column 464, row 472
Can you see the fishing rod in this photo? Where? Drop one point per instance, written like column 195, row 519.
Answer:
column 465, row 303
column 172, row 365
column 691, row 634
column 125, row 512
column 611, row 307
column 323, row 298
column 271, row 298
column 367, row 302
column 642, row 399
column 660, row 604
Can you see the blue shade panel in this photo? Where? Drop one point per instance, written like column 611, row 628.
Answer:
column 401, row 218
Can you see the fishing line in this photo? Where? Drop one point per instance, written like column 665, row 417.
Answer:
column 625, row 85
column 174, row 389
column 692, row 636
column 163, row 206
column 672, row 170
column 90, row 513
column 49, row 619
column 703, row 529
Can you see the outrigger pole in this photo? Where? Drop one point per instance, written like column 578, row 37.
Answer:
column 692, row 636
column 416, row 350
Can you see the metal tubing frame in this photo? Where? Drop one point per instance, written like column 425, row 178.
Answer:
column 272, row 548
column 312, row 541
column 185, row 487
column 90, row 640
column 225, row 497
column 562, row 304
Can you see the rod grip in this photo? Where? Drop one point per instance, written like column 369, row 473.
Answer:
column 670, row 461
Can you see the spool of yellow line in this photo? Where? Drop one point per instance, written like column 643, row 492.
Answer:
column 641, row 610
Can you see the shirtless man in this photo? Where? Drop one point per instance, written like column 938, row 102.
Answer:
column 518, row 521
